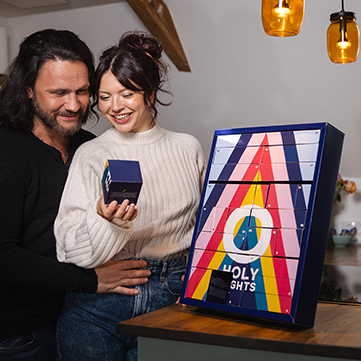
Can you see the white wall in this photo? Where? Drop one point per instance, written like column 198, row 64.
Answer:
column 12, row 45
column 240, row 76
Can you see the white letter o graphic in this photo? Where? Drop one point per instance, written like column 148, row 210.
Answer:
column 250, row 255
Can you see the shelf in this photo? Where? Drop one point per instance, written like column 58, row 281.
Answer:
column 341, row 275
column 344, row 256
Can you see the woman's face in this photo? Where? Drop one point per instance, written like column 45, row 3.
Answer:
column 124, row 108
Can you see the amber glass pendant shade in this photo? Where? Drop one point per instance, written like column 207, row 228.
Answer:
column 282, row 17
column 343, row 38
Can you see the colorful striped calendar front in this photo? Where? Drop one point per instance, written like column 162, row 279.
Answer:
column 252, row 232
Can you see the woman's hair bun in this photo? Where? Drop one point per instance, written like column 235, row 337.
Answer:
column 138, row 40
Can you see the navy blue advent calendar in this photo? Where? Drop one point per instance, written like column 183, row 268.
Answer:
column 262, row 226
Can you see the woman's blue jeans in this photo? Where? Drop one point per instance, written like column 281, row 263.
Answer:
column 87, row 327
column 38, row 345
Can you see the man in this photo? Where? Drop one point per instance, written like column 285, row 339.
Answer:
column 43, row 104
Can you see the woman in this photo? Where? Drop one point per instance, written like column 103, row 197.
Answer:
column 89, row 233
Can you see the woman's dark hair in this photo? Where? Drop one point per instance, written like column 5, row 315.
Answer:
column 49, row 44
column 136, row 63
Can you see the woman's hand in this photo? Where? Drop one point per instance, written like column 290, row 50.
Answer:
column 124, row 212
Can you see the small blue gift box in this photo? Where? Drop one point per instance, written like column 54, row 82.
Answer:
column 122, row 179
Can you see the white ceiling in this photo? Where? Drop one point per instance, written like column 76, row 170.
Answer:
column 14, row 8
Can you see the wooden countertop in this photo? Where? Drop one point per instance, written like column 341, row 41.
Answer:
column 337, row 330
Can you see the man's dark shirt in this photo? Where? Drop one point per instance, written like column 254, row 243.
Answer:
column 32, row 281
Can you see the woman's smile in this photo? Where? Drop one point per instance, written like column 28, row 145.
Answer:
column 122, row 118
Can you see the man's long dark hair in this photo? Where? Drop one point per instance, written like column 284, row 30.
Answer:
column 49, row 44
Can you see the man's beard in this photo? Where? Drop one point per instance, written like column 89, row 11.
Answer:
column 50, row 121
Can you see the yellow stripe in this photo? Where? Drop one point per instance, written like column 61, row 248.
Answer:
column 270, row 284
column 248, row 199
column 268, row 252
column 273, row 303
column 221, row 247
column 217, row 260
column 106, row 165
column 202, row 286
column 258, row 197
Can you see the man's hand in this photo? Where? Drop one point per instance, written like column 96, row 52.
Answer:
column 179, row 297
column 117, row 276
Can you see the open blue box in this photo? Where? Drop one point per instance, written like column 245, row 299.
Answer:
column 122, row 179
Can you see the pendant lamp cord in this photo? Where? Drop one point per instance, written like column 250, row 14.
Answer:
column 342, row 3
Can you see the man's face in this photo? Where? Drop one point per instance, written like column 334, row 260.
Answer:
column 61, row 96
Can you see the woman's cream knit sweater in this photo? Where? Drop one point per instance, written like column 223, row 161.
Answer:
column 173, row 169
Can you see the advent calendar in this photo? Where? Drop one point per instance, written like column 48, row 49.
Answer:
column 263, row 221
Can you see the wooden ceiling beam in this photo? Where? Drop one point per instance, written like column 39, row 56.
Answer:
column 157, row 18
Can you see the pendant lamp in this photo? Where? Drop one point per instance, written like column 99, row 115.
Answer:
column 282, row 17
column 343, row 37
